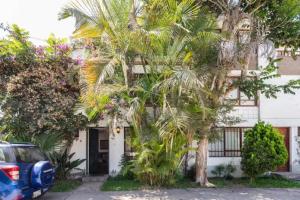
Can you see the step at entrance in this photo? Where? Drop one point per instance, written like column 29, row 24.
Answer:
column 88, row 179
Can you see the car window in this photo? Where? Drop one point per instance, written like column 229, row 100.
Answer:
column 4, row 155
column 29, row 155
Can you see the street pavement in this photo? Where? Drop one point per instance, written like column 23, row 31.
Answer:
column 91, row 191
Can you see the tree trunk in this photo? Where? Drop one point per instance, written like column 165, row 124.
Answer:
column 201, row 163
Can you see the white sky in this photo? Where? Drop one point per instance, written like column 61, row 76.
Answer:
column 39, row 17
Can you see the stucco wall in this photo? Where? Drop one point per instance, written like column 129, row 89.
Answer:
column 116, row 151
column 284, row 111
column 79, row 147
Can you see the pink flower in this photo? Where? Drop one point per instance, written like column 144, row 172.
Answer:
column 63, row 82
column 79, row 61
column 40, row 50
column 63, row 47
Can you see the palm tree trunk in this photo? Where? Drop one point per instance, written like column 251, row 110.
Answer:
column 201, row 162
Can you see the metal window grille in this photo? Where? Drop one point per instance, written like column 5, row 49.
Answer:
column 128, row 149
column 228, row 144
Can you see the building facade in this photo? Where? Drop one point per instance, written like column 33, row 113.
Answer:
column 103, row 150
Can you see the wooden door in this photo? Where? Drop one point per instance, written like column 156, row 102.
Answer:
column 286, row 134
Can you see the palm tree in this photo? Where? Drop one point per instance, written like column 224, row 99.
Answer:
column 163, row 36
column 114, row 23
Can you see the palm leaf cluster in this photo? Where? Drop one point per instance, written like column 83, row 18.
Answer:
column 143, row 53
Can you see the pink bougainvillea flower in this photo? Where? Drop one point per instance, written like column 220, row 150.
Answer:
column 79, row 61
column 40, row 51
column 63, row 47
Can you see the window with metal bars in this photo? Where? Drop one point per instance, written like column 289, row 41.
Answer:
column 228, row 144
column 128, row 149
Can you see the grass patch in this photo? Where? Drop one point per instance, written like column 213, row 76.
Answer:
column 123, row 184
column 120, row 184
column 184, row 183
column 65, row 185
column 262, row 182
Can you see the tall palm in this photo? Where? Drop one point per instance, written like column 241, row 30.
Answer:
column 161, row 35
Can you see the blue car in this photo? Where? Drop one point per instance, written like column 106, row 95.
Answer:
column 25, row 172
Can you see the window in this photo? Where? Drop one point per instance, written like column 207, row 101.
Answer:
column 4, row 155
column 228, row 144
column 128, row 149
column 240, row 99
column 104, row 145
column 29, row 155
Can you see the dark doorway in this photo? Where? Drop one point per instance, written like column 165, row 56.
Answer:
column 286, row 134
column 98, row 151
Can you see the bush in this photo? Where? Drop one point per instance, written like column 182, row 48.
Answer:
column 224, row 171
column 218, row 171
column 64, row 163
column 126, row 168
column 156, row 164
column 263, row 150
column 39, row 87
column 228, row 171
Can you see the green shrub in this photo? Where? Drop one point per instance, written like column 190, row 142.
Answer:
column 263, row 150
column 154, row 166
column 155, row 163
column 229, row 170
column 218, row 171
column 126, row 168
column 224, row 171
column 39, row 87
column 64, row 163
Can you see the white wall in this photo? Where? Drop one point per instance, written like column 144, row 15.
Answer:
column 247, row 114
column 116, row 151
column 79, row 147
column 284, row 111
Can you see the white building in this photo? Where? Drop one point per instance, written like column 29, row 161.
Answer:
column 103, row 150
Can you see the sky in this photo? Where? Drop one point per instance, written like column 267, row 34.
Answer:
column 39, row 17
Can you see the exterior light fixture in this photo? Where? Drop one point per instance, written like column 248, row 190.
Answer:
column 118, row 129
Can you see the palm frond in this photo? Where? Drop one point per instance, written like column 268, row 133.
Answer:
column 182, row 78
column 107, row 71
column 87, row 31
column 172, row 123
column 84, row 12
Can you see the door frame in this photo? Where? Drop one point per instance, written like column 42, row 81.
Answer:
column 88, row 146
column 288, row 148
